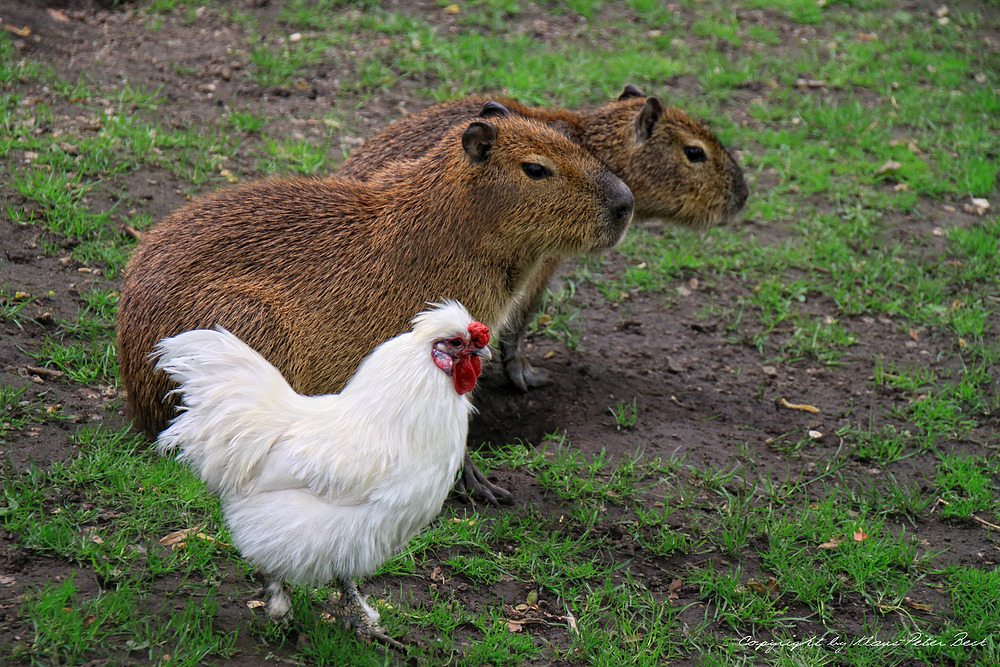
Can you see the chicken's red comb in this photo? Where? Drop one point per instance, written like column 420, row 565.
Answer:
column 479, row 334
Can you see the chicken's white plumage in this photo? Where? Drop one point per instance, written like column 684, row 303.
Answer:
column 321, row 488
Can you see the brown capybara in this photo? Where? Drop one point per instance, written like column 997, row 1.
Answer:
column 677, row 170
column 316, row 273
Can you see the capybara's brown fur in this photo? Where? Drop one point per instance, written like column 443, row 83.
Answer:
column 675, row 166
column 316, row 273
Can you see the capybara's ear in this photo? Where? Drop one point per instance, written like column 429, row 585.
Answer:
column 494, row 110
column 629, row 92
column 651, row 113
column 478, row 140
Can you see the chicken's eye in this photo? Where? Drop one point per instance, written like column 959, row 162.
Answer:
column 456, row 342
column 536, row 171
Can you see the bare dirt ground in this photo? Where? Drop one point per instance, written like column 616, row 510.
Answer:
column 699, row 396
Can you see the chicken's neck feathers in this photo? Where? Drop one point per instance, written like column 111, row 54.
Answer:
column 399, row 411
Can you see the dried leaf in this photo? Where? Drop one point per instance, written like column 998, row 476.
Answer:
column 572, row 623
column 915, row 335
column 798, row 406
column 209, row 538
column 674, row 589
column 979, row 206
column 178, row 536
column 20, row 32
column 255, row 604
column 832, row 544
column 768, row 587
column 919, row 606
column 890, row 165
column 860, row 535
column 514, row 626
column 57, row 15
column 452, row 9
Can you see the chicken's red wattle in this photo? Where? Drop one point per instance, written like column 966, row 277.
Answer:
column 466, row 371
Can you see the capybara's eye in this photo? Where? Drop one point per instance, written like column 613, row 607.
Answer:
column 536, row 171
column 695, row 153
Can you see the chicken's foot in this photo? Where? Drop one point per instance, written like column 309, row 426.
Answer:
column 279, row 605
column 358, row 615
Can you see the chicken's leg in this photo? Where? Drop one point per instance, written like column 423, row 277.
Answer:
column 471, row 482
column 358, row 615
column 279, row 605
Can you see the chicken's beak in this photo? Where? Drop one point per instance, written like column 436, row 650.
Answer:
column 484, row 353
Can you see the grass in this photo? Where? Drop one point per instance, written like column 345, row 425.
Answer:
column 861, row 173
column 626, row 415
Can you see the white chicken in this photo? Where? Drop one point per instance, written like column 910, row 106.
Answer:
column 325, row 488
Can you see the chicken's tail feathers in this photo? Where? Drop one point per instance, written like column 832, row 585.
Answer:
column 233, row 401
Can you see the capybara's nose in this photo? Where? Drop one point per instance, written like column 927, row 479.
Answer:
column 620, row 202
column 622, row 205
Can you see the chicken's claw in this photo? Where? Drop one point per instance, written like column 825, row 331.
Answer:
column 376, row 633
column 472, row 482
column 356, row 614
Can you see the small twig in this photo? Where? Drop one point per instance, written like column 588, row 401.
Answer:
column 20, row 32
column 46, row 372
column 798, row 406
column 984, row 522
